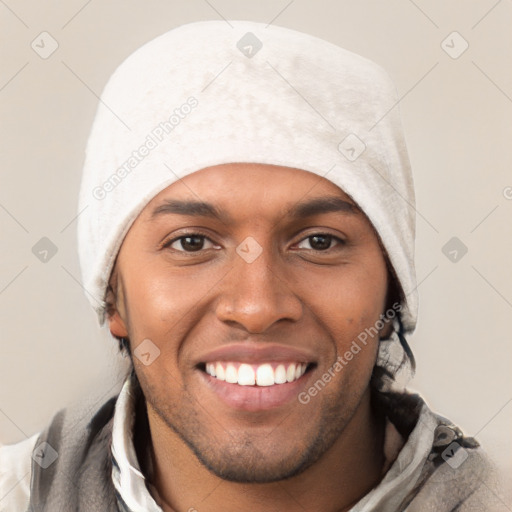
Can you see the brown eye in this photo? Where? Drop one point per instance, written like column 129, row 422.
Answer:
column 190, row 243
column 319, row 242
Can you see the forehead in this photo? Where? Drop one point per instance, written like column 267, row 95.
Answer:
column 242, row 185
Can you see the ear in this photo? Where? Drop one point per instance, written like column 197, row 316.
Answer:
column 116, row 323
column 386, row 331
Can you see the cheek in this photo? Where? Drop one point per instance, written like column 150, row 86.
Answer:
column 351, row 297
column 347, row 303
column 162, row 304
column 162, row 307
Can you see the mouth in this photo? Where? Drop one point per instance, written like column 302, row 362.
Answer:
column 255, row 377
column 263, row 375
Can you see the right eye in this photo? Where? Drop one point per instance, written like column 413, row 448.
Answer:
column 190, row 243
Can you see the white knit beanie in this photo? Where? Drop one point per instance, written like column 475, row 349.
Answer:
column 211, row 93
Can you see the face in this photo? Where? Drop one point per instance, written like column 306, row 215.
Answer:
column 252, row 280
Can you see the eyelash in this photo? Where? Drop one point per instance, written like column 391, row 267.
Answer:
column 169, row 243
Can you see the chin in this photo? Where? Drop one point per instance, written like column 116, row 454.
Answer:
column 252, row 466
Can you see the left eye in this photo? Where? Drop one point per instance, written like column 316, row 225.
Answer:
column 318, row 242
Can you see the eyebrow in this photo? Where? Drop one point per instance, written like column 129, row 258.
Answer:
column 316, row 206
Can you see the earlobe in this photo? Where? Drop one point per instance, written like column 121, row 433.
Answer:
column 117, row 326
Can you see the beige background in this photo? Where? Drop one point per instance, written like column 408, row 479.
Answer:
column 458, row 124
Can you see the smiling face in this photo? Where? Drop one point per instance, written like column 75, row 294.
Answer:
column 252, row 280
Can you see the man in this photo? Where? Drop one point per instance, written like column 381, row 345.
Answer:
column 248, row 236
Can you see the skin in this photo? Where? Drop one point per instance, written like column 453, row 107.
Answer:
column 314, row 294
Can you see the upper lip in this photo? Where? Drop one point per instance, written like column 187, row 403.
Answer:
column 256, row 353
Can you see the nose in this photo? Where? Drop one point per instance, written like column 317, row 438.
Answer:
column 255, row 296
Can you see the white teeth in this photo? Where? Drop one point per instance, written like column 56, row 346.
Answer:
column 219, row 372
column 280, row 375
column 260, row 375
column 290, row 373
column 265, row 375
column 246, row 375
column 210, row 368
column 231, row 374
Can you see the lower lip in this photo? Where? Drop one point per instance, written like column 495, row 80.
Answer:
column 255, row 398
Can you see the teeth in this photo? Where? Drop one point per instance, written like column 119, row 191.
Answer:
column 290, row 373
column 219, row 372
column 260, row 375
column 210, row 368
column 231, row 374
column 246, row 375
column 265, row 375
column 280, row 374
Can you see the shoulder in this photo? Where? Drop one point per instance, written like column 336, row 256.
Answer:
column 15, row 474
column 67, row 441
column 457, row 475
column 466, row 481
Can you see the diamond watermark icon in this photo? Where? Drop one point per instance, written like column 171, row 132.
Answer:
column 249, row 249
column 146, row 352
column 44, row 455
column 44, row 45
column 351, row 147
column 249, row 45
column 454, row 455
column 44, row 250
column 454, row 249
column 454, row 45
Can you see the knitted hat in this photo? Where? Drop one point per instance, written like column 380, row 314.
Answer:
column 210, row 93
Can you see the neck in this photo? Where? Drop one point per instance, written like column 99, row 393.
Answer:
column 346, row 472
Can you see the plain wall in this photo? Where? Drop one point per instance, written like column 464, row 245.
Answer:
column 457, row 116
